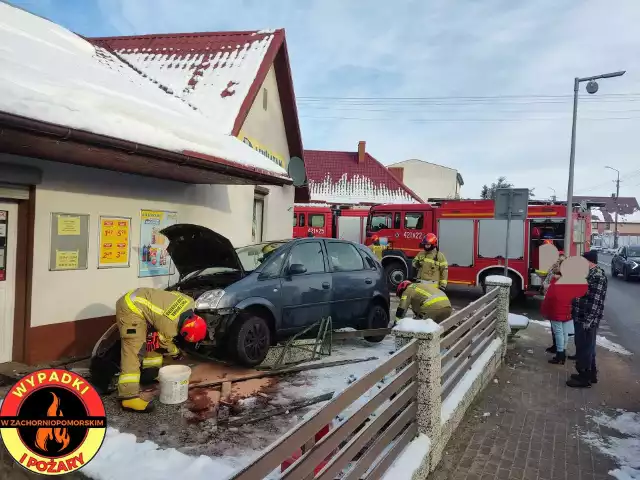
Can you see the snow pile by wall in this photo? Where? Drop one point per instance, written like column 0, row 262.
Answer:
column 460, row 390
column 518, row 321
column 52, row 75
column 357, row 189
column 122, row 457
column 625, row 448
column 409, row 460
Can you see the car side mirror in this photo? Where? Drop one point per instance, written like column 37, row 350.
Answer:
column 297, row 269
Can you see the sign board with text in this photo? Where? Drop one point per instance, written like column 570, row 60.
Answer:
column 69, row 242
column 115, row 242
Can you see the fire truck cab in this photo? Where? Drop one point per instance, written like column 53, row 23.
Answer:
column 330, row 222
column 473, row 242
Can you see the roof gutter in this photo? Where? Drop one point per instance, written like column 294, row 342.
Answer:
column 207, row 162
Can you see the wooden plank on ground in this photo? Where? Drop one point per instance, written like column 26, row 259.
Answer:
column 371, row 332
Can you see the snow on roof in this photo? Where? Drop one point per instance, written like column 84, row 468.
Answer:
column 50, row 74
column 354, row 190
column 338, row 177
column 597, row 215
column 630, row 218
column 211, row 71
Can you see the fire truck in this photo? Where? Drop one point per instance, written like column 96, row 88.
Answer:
column 473, row 242
column 330, row 222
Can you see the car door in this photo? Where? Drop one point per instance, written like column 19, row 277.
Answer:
column 306, row 294
column 353, row 284
column 619, row 259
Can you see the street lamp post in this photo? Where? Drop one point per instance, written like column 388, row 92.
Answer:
column 615, row 228
column 592, row 87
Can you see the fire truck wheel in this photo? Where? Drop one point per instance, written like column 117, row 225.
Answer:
column 395, row 273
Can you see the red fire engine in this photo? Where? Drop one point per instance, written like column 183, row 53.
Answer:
column 330, row 222
column 472, row 240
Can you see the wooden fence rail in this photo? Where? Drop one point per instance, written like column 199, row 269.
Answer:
column 398, row 417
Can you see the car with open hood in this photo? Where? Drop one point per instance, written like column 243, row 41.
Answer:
column 626, row 262
column 254, row 296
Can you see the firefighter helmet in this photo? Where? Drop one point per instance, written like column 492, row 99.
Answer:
column 194, row 329
column 429, row 239
column 375, row 238
column 270, row 247
column 402, row 287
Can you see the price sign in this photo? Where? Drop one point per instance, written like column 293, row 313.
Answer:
column 114, row 242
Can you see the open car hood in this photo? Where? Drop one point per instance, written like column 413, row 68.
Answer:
column 194, row 247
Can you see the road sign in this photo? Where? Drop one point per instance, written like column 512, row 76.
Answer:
column 510, row 204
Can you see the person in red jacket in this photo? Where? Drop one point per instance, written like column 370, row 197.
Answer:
column 556, row 307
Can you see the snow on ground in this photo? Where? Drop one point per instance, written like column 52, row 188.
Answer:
column 409, row 460
column 618, row 436
column 604, row 342
column 121, row 456
column 460, row 390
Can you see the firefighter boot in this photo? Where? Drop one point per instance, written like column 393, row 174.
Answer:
column 137, row 404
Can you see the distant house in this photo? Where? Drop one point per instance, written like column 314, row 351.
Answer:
column 428, row 180
column 603, row 218
column 353, row 178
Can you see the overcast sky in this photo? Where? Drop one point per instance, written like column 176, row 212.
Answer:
column 481, row 86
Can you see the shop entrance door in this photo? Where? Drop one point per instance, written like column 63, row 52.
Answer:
column 8, row 244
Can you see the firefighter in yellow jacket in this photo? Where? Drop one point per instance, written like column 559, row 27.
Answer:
column 376, row 248
column 425, row 299
column 431, row 264
column 153, row 317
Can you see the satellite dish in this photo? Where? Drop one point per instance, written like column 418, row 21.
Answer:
column 297, row 171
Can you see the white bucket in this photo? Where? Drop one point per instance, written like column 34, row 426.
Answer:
column 174, row 384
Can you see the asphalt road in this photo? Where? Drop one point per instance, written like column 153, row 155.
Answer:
column 621, row 323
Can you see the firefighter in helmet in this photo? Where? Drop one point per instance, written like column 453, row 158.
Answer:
column 431, row 264
column 155, row 317
column 267, row 250
column 376, row 248
column 425, row 299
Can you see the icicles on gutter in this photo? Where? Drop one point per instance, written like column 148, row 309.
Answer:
column 357, row 189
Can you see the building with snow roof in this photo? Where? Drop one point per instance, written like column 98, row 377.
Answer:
column 603, row 218
column 427, row 179
column 138, row 132
column 353, row 178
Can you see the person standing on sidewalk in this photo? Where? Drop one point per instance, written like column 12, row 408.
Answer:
column 554, row 270
column 556, row 307
column 587, row 312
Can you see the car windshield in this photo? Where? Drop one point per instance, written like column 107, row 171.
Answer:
column 252, row 256
column 209, row 271
column 633, row 251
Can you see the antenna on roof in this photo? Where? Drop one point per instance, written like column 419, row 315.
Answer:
column 297, row 171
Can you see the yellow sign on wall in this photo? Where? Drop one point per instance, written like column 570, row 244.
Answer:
column 114, row 242
column 67, row 259
column 258, row 147
column 68, row 225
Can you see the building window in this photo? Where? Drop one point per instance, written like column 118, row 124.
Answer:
column 258, row 215
column 264, row 99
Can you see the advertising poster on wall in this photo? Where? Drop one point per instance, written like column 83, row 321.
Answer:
column 113, row 249
column 153, row 257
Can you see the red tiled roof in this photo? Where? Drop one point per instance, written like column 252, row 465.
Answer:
column 218, row 73
column 335, row 175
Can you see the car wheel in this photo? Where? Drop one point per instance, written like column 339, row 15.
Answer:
column 378, row 317
column 250, row 338
column 395, row 273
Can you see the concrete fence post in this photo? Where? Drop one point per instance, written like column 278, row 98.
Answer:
column 428, row 378
column 502, row 322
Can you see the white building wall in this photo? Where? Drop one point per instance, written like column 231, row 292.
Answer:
column 264, row 129
column 64, row 296
column 429, row 180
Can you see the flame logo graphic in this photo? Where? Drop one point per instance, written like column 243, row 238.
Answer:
column 59, row 435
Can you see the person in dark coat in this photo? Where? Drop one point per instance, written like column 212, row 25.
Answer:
column 587, row 312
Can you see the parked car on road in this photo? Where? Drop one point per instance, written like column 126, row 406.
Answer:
column 626, row 262
column 254, row 296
